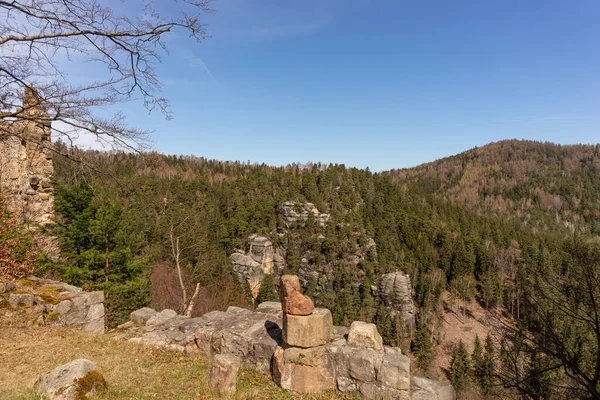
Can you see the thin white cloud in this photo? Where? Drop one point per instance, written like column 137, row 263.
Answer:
column 196, row 62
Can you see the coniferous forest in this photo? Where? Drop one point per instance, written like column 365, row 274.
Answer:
column 513, row 225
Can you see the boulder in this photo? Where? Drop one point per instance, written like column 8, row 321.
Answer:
column 251, row 336
column 303, row 371
column 394, row 371
column 95, row 319
column 161, row 317
column 72, row 381
column 223, row 373
column 292, row 300
column 142, row 315
column 364, row 364
column 16, row 300
column 365, row 335
column 6, row 286
column 427, row 389
column 306, row 331
column 376, row 391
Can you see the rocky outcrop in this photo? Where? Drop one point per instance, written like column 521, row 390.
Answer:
column 79, row 379
column 250, row 335
column 395, row 291
column 292, row 211
column 428, row 389
column 55, row 303
column 311, row 357
column 259, row 260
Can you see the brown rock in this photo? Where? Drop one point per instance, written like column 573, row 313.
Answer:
column 292, row 299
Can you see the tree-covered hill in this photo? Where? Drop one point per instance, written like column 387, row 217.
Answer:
column 547, row 184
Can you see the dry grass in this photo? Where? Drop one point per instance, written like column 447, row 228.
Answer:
column 132, row 371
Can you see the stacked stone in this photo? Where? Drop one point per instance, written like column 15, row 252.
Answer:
column 363, row 364
column 303, row 363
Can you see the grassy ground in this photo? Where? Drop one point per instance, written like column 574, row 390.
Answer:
column 132, row 371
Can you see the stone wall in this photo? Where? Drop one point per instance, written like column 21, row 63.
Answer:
column 26, row 162
column 35, row 301
column 349, row 360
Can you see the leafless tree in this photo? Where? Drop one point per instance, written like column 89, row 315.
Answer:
column 38, row 38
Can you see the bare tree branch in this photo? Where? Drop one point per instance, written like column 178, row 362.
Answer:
column 39, row 38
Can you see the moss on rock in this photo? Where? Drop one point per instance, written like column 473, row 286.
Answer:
column 91, row 384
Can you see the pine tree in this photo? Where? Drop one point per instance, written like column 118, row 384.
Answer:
column 488, row 367
column 459, row 366
column 421, row 347
column 267, row 291
column 477, row 357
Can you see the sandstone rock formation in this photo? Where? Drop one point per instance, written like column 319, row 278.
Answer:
column 395, row 291
column 365, row 335
column 428, row 389
column 260, row 259
column 79, row 379
column 56, row 303
column 292, row 211
column 306, row 331
column 292, row 299
column 26, row 162
column 353, row 361
column 223, row 373
column 303, row 365
column 250, row 335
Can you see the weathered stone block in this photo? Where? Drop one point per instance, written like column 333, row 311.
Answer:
column 394, row 371
column 365, row 335
column 24, row 300
column 95, row 298
column 161, row 317
column 223, row 373
column 142, row 315
column 77, row 379
column 302, row 378
column 311, row 330
column 203, row 338
column 364, row 364
column 314, row 357
column 427, row 389
column 377, row 392
column 6, row 287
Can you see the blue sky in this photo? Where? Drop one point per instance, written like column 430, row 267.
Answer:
column 387, row 84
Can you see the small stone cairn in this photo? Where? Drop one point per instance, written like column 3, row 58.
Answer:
column 309, row 355
column 303, row 364
column 312, row 360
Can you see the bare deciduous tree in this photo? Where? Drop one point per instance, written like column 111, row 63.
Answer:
column 38, row 38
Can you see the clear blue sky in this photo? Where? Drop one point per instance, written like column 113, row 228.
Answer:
column 386, row 84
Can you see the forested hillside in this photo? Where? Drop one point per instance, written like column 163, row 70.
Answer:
column 510, row 224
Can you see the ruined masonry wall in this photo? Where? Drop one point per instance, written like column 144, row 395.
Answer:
column 26, row 168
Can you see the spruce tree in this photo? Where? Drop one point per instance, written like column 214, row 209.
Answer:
column 267, row 291
column 421, row 347
column 488, row 367
column 477, row 357
column 459, row 366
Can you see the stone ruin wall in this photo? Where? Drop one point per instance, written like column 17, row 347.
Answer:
column 26, row 168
